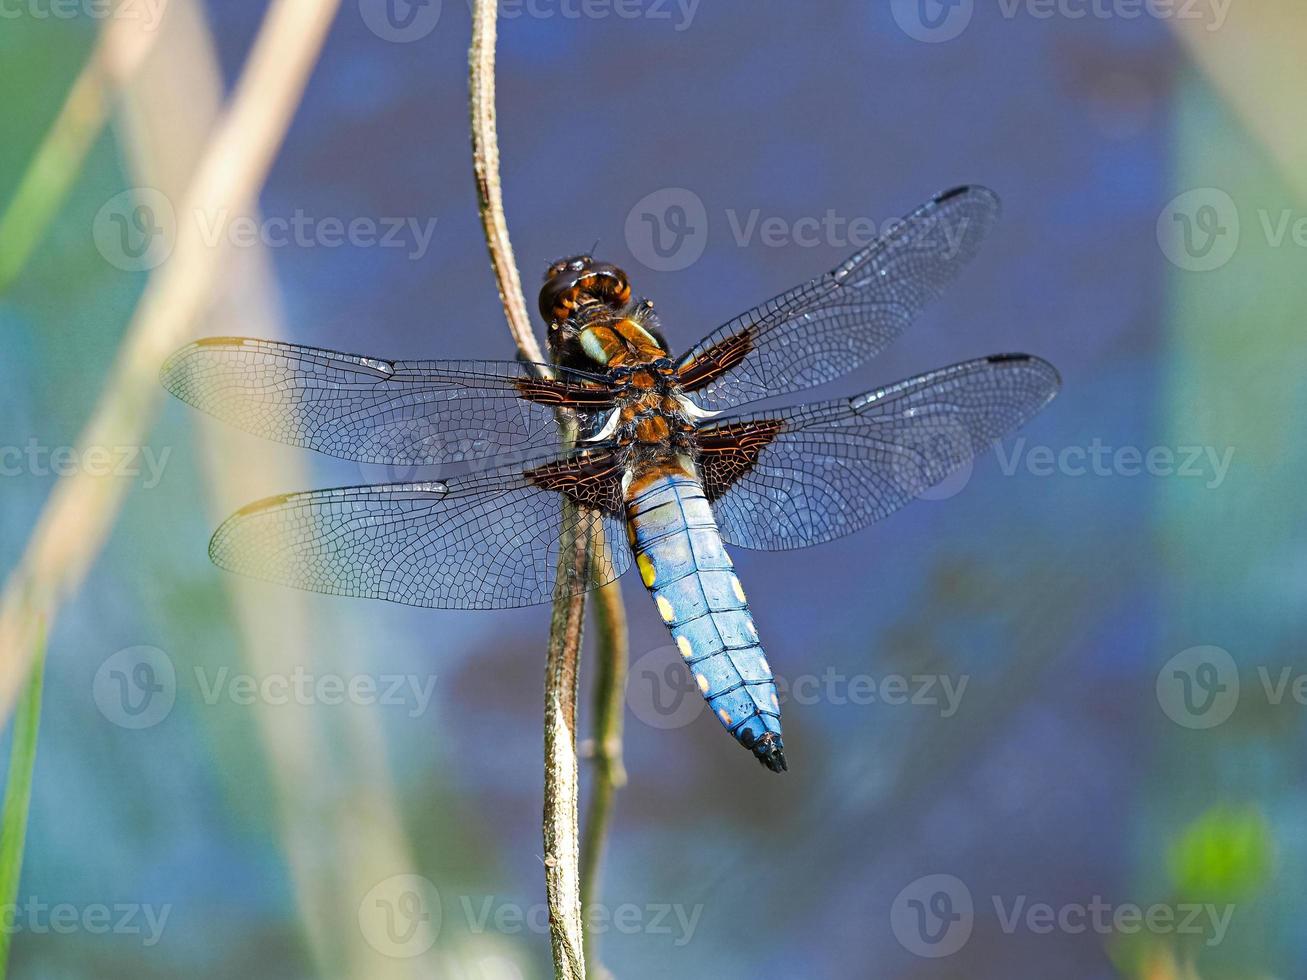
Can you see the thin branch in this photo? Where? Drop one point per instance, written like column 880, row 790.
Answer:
column 562, row 780
column 83, row 507
column 490, row 194
column 611, row 651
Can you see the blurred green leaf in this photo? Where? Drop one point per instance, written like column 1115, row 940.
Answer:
column 1226, row 855
column 18, row 794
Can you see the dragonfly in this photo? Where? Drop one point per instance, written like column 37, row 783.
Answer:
column 659, row 466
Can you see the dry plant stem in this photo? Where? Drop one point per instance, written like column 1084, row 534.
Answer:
column 611, row 649
column 490, row 195
column 82, row 508
column 562, row 779
column 121, row 46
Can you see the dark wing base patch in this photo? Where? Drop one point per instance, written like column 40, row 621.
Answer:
column 591, row 479
column 716, row 360
column 728, row 452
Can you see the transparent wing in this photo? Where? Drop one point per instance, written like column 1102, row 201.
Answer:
column 801, row 476
column 410, row 413
column 826, row 328
column 488, row 541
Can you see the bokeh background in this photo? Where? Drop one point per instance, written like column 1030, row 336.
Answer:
column 1115, row 600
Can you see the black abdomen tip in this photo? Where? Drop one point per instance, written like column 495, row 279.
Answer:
column 771, row 752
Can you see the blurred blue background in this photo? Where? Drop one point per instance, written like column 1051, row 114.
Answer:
column 1078, row 761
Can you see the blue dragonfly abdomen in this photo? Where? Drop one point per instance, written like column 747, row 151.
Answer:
column 684, row 564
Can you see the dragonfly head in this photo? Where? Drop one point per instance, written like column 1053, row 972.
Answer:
column 572, row 284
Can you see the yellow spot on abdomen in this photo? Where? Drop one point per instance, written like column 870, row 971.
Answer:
column 647, row 570
column 724, row 715
column 665, row 609
column 703, row 682
column 739, row 589
column 683, row 645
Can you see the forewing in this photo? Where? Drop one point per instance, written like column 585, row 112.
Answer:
column 488, row 541
column 410, row 413
column 826, row 328
column 802, row 476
